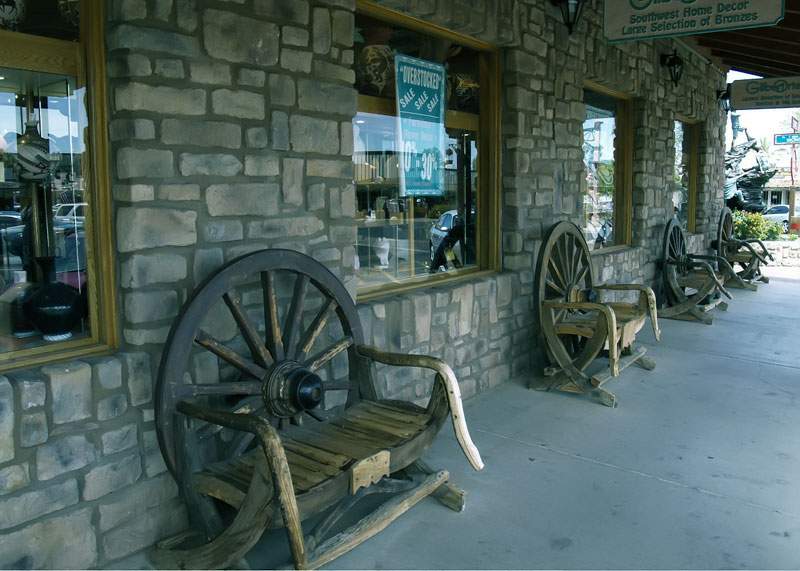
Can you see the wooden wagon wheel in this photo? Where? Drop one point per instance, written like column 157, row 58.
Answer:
column 725, row 234
column 677, row 264
column 564, row 274
column 727, row 246
column 279, row 374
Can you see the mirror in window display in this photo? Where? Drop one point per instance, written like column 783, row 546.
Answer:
column 43, row 207
column 599, row 157
column 680, row 192
column 51, row 18
column 401, row 237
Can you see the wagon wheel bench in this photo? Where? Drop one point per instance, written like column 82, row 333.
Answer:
column 692, row 285
column 740, row 253
column 264, row 446
column 576, row 325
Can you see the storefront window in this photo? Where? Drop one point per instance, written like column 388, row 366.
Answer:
column 684, row 183
column 49, row 299
column 600, row 151
column 418, row 193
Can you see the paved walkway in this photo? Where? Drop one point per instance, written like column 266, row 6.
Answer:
column 699, row 467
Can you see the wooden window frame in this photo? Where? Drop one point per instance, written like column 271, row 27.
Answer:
column 623, row 167
column 487, row 126
column 693, row 126
column 86, row 61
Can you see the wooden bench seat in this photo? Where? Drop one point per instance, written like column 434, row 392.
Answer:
column 630, row 320
column 318, row 452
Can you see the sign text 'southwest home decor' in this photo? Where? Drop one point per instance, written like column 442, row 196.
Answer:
column 772, row 93
column 420, row 88
column 627, row 20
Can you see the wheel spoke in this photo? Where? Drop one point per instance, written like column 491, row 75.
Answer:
column 240, row 444
column 249, row 405
column 257, row 348
column 552, row 285
column 336, row 386
column 218, row 389
column 229, row 355
column 581, row 274
column 318, row 360
column 274, row 337
column 295, row 315
column 315, row 415
column 315, row 329
column 557, row 271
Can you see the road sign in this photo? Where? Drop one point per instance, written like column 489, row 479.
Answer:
column 627, row 20
column 787, row 139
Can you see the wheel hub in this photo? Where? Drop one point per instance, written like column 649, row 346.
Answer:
column 290, row 388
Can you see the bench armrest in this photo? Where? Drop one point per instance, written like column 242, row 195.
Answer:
column 646, row 297
column 447, row 377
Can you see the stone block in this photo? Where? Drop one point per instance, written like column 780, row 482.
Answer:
column 252, row 77
column 133, row 192
column 332, row 71
column 107, row 478
column 13, row 478
column 295, row 12
column 71, row 386
column 201, row 133
column 129, row 10
column 20, row 508
column 296, row 61
column 144, row 163
column 223, row 230
column 313, row 135
column 326, row 97
column 32, row 393
column 41, row 545
column 187, row 15
column 238, row 39
column 205, row 262
column 261, row 165
column 136, row 500
column 140, row 228
column 242, row 199
column 120, row 439
column 294, row 36
column 343, row 24
column 179, row 192
column 256, row 138
column 169, row 68
column 33, row 429
column 63, row 455
column 107, row 373
column 240, row 104
column 125, row 129
column 212, row 73
column 422, row 318
column 293, row 181
column 315, row 196
column 112, row 407
column 147, row 269
column 162, row 10
column 143, row 531
column 280, row 131
column 212, row 164
column 6, row 420
column 139, row 337
column 153, row 460
column 281, row 90
column 139, row 38
column 321, row 30
column 129, row 65
column 160, row 99
column 139, row 376
column 283, row 227
column 329, row 168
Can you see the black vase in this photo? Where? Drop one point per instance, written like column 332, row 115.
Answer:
column 54, row 309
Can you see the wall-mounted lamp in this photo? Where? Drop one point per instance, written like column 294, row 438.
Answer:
column 724, row 98
column 674, row 63
column 570, row 11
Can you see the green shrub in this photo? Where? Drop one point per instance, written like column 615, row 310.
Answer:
column 754, row 225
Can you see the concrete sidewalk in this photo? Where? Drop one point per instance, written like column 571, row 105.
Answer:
column 699, row 467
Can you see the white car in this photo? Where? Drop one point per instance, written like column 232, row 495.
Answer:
column 780, row 214
column 70, row 212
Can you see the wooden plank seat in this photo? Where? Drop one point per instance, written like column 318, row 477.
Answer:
column 745, row 256
column 577, row 325
column 692, row 284
column 262, row 438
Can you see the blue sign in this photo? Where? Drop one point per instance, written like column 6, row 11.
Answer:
column 787, row 139
column 420, row 90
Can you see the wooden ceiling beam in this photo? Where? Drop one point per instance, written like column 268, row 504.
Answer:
column 760, row 47
column 788, row 63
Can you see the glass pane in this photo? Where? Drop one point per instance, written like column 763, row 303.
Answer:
column 51, row 18
column 405, row 237
column 681, row 174
column 599, row 153
column 43, row 265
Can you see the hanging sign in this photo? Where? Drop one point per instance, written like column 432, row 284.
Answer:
column 647, row 19
column 787, row 139
column 773, row 93
column 420, row 91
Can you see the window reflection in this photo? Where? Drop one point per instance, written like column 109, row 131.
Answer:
column 599, row 153
column 43, row 263
column 680, row 190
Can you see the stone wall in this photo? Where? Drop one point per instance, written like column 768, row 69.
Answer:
column 231, row 131
column 786, row 253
